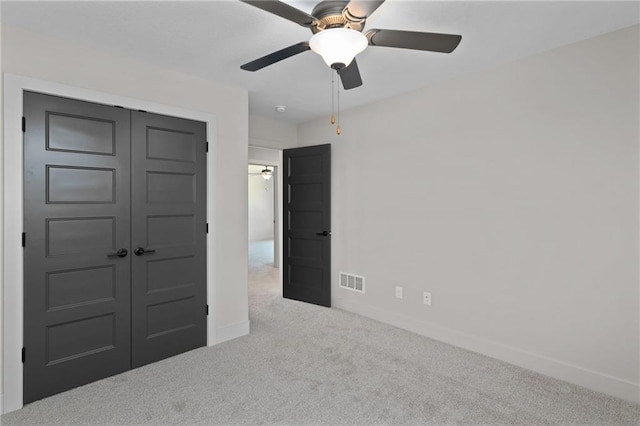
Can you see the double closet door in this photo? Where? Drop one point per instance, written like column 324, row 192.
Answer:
column 115, row 241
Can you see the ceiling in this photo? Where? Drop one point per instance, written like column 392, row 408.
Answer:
column 211, row 39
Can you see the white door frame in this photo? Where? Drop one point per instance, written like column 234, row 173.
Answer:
column 14, row 86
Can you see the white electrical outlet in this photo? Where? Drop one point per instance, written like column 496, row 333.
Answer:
column 426, row 298
column 398, row 292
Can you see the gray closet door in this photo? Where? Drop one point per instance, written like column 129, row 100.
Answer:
column 168, row 236
column 77, row 218
column 115, row 243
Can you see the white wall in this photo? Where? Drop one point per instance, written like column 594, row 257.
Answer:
column 271, row 133
column 44, row 58
column 512, row 196
column 261, row 205
column 270, row 157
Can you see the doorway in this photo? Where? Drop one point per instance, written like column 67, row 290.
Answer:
column 264, row 251
column 262, row 215
column 114, row 242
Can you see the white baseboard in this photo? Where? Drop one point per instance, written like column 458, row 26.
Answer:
column 590, row 379
column 233, row 331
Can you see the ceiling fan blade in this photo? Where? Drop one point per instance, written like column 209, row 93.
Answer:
column 350, row 76
column 361, row 9
column 432, row 42
column 283, row 10
column 274, row 57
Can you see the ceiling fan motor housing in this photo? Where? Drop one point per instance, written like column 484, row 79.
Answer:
column 329, row 14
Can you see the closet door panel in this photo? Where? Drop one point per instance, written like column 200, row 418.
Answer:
column 169, row 235
column 77, row 304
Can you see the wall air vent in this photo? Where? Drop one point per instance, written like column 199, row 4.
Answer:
column 352, row 282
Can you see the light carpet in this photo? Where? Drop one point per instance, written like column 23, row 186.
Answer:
column 304, row 364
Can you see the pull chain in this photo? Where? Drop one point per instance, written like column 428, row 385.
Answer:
column 338, row 131
column 333, row 102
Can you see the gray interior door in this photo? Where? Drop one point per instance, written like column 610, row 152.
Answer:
column 77, row 217
column 168, row 235
column 115, row 241
column 307, row 224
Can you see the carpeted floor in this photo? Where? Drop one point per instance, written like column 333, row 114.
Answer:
column 304, row 364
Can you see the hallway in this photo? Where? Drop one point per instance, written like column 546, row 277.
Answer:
column 264, row 278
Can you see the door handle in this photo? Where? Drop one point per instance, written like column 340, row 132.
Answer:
column 120, row 253
column 324, row 233
column 139, row 251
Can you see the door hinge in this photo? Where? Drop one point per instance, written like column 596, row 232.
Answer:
column 207, row 228
column 24, row 124
column 207, row 310
column 207, row 145
column 24, row 355
column 24, row 239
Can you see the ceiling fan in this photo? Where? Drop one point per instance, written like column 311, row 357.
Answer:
column 266, row 173
column 337, row 27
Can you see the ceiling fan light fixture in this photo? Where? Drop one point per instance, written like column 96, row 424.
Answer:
column 338, row 46
column 266, row 174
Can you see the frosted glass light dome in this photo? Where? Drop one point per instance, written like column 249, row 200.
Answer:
column 338, row 45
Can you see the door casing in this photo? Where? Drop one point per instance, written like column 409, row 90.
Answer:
column 12, row 255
